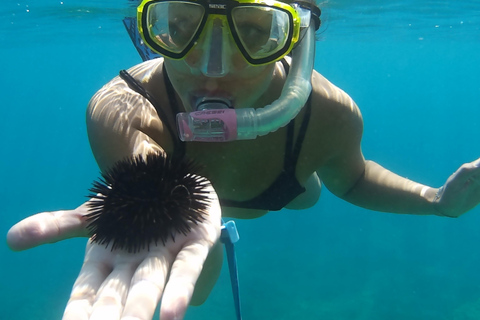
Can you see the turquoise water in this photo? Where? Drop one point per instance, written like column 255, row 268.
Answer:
column 411, row 66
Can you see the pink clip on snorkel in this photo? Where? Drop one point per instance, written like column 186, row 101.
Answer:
column 214, row 121
column 214, row 125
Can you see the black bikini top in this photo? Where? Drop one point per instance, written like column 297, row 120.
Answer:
column 282, row 191
column 286, row 187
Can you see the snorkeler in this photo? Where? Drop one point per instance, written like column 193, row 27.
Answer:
column 235, row 92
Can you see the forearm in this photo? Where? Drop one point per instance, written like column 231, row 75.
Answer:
column 382, row 190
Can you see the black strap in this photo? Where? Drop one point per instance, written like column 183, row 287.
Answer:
column 179, row 145
column 135, row 85
column 292, row 152
column 285, row 65
column 170, row 91
column 302, row 132
column 288, row 161
column 315, row 11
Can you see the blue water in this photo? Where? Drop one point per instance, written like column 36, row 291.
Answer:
column 411, row 66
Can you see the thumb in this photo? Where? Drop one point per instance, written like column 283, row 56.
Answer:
column 47, row 227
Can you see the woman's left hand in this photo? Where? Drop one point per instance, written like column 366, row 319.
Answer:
column 461, row 192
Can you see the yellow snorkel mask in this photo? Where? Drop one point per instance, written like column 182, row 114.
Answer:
column 263, row 31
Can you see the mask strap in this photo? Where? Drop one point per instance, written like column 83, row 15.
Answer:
column 315, row 13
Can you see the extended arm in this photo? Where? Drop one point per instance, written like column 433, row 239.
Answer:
column 382, row 190
column 367, row 184
column 114, row 284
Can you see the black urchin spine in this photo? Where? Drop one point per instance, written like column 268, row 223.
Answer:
column 142, row 201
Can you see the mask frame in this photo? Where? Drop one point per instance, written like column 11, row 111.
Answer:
column 221, row 8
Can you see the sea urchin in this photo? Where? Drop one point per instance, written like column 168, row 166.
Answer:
column 144, row 200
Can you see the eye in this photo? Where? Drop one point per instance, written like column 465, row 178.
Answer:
column 253, row 26
column 181, row 28
column 252, row 30
column 183, row 22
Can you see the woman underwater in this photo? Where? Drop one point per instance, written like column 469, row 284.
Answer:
column 227, row 96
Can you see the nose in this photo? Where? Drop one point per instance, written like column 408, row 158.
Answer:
column 214, row 64
column 213, row 49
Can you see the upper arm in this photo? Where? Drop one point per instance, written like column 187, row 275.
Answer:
column 122, row 123
column 342, row 125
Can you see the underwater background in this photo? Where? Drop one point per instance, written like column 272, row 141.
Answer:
column 412, row 67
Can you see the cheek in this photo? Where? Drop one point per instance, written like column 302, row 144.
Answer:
column 193, row 58
column 181, row 76
column 239, row 62
column 179, row 68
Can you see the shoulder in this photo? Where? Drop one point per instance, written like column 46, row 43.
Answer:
column 336, row 124
column 115, row 99
column 333, row 109
column 121, row 122
column 335, row 139
column 332, row 103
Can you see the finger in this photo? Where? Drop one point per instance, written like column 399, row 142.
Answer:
column 184, row 274
column 47, row 227
column 84, row 292
column 476, row 163
column 465, row 173
column 476, row 177
column 147, row 286
column 112, row 294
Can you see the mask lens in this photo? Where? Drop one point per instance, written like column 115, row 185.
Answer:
column 262, row 31
column 173, row 25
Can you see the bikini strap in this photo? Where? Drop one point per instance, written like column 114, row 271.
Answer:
column 292, row 152
column 170, row 91
column 135, row 85
column 302, row 132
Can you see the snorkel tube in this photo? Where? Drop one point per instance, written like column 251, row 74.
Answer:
column 224, row 124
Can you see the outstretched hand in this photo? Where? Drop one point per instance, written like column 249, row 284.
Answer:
column 461, row 192
column 121, row 285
